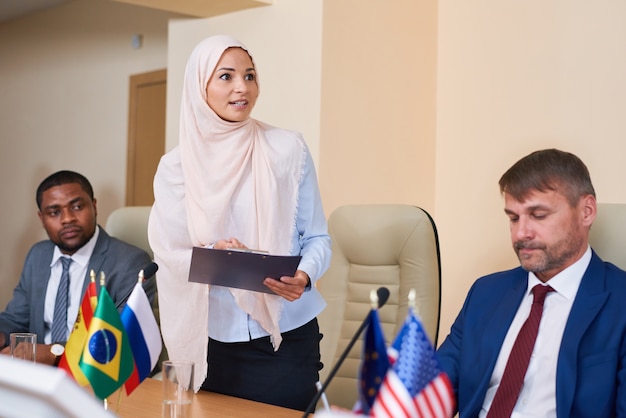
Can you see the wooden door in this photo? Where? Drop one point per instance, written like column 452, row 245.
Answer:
column 146, row 135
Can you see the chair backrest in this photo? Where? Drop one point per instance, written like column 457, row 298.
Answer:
column 395, row 246
column 130, row 224
column 608, row 233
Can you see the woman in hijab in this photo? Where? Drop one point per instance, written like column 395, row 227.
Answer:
column 236, row 182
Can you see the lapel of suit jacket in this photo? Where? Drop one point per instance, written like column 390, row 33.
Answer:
column 43, row 266
column 496, row 328
column 590, row 299
column 504, row 312
column 97, row 259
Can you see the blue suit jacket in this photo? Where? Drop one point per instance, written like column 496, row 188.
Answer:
column 591, row 369
column 120, row 262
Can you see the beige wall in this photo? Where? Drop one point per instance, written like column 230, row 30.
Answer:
column 514, row 77
column 64, row 77
column 424, row 104
column 378, row 102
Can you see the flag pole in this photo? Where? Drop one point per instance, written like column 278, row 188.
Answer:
column 374, row 299
column 119, row 391
column 412, row 303
column 102, row 282
column 119, row 400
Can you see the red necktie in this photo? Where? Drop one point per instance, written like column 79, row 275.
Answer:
column 515, row 370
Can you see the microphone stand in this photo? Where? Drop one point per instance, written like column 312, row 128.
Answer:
column 144, row 274
column 383, row 295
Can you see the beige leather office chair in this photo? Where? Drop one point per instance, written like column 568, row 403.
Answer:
column 608, row 233
column 130, row 224
column 395, row 246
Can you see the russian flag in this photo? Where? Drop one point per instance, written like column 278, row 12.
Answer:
column 144, row 335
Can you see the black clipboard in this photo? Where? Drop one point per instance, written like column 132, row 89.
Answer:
column 240, row 269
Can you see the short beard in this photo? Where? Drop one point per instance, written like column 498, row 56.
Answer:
column 66, row 249
column 554, row 258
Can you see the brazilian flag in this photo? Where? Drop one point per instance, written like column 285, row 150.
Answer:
column 107, row 360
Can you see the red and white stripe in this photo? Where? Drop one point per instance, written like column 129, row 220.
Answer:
column 436, row 400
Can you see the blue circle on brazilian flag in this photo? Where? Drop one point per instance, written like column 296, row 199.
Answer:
column 103, row 346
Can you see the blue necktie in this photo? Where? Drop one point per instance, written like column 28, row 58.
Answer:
column 59, row 321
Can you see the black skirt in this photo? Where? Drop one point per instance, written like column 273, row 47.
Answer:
column 253, row 370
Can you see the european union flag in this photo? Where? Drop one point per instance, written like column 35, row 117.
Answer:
column 107, row 360
column 374, row 365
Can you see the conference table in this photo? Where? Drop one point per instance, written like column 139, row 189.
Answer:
column 145, row 401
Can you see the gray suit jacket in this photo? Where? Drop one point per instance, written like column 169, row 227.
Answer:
column 120, row 262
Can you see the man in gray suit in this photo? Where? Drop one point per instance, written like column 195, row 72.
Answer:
column 60, row 267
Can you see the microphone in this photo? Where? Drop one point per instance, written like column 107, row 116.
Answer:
column 383, row 295
column 148, row 271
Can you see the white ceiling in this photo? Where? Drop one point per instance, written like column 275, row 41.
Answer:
column 12, row 9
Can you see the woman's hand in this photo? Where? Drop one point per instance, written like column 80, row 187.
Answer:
column 290, row 288
column 225, row 244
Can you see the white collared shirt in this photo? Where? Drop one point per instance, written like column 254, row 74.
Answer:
column 78, row 271
column 538, row 395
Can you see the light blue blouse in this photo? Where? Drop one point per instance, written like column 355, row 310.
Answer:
column 310, row 239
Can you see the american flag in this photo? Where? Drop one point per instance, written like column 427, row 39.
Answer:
column 415, row 385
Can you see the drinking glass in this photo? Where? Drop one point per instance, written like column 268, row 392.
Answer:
column 23, row 345
column 177, row 388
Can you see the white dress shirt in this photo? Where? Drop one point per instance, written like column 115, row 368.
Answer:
column 538, row 395
column 78, row 271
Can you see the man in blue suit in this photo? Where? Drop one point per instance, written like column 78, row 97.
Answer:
column 578, row 362
column 68, row 212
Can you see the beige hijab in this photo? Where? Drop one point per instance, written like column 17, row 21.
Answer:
column 219, row 160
